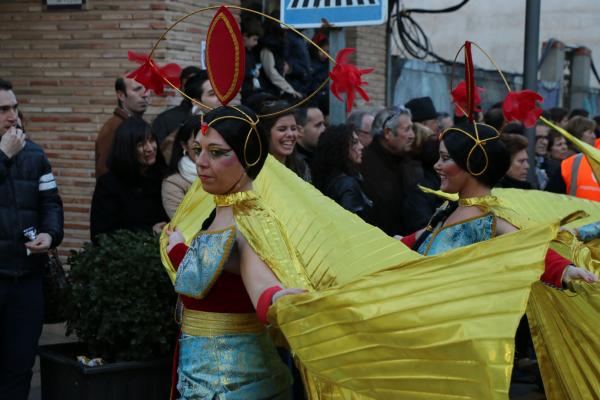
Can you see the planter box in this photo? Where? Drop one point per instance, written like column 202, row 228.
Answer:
column 63, row 378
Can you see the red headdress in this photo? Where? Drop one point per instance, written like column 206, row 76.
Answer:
column 520, row 106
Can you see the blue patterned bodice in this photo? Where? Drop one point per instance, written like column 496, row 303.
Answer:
column 458, row 235
column 204, row 262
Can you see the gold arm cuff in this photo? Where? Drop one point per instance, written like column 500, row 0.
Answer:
column 202, row 323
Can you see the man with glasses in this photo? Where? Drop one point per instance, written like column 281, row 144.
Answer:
column 362, row 121
column 386, row 168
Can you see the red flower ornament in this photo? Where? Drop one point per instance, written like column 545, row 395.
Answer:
column 151, row 75
column 461, row 100
column 346, row 78
column 522, row 106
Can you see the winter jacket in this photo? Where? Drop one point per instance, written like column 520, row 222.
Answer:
column 28, row 198
column 119, row 204
column 346, row 191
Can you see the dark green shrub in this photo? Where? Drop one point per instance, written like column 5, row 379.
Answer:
column 122, row 300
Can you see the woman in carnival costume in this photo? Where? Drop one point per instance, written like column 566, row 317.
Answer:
column 224, row 350
column 377, row 321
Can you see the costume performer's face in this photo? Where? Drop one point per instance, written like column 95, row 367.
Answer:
column 453, row 177
column 216, row 163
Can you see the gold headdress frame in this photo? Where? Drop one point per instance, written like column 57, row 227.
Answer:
column 253, row 128
column 478, row 142
column 201, row 10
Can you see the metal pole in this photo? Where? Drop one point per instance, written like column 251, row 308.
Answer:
column 530, row 70
column 337, row 109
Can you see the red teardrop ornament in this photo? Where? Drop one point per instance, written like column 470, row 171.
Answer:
column 225, row 55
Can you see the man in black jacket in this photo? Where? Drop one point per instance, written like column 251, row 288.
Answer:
column 29, row 200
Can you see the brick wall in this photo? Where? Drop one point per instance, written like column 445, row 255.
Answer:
column 370, row 43
column 63, row 65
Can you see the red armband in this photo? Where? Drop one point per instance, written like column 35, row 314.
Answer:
column 554, row 268
column 264, row 302
column 410, row 240
column 177, row 253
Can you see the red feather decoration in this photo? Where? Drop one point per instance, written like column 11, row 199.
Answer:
column 346, row 78
column 522, row 106
column 151, row 75
column 460, row 97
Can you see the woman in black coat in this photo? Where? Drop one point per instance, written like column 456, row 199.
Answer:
column 335, row 172
column 128, row 196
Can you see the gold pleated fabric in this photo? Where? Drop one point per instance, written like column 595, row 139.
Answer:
column 565, row 325
column 380, row 321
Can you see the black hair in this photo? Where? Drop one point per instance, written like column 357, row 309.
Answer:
column 249, row 143
column 251, row 26
column 459, row 145
column 188, row 72
column 494, row 117
column 558, row 113
column 5, row 85
column 193, row 86
column 301, row 114
column 189, row 128
column 514, row 127
column 270, row 107
column 120, row 87
column 123, row 158
column 274, row 37
column 256, row 101
column 292, row 161
column 332, row 155
column 430, row 152
column 579, row 112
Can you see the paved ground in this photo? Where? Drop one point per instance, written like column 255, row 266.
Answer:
column 56, row 334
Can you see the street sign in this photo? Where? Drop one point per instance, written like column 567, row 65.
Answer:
column 309, row 13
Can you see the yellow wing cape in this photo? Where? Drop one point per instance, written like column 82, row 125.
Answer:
column 381, row 321
column 565, row 325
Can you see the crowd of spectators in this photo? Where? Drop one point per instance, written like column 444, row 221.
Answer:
column 372, row 165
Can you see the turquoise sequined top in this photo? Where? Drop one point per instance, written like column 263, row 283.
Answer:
column 458, row 235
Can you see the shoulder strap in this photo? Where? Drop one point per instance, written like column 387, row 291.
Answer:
column 574, row 173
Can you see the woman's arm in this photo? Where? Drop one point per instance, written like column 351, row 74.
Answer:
column 558, row 271
column 260, row 282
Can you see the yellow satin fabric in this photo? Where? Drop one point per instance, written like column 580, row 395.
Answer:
column 383, row 322
column 565, row 325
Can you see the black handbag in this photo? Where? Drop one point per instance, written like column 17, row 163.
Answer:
column 56, row 289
